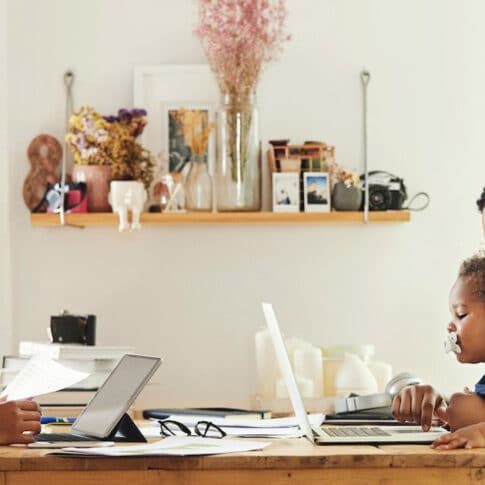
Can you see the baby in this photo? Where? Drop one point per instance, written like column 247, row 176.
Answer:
column 465, row 412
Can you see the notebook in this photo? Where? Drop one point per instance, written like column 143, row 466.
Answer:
column 329, row 435
column 104, row 418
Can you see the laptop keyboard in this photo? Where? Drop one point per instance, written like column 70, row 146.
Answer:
column 53, row 437
column 348, row 431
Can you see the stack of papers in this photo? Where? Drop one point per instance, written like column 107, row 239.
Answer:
column 175, row 445
column 253, row 428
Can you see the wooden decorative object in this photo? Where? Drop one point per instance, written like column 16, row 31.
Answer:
column 309, row 157
column 45, row 155
column 313, row 156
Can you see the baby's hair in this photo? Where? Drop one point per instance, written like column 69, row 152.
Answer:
column 481, row 201
column 474, row 268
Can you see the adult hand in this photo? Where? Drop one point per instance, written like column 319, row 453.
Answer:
column 418, row 404
column 469, row 437
column 16, row 417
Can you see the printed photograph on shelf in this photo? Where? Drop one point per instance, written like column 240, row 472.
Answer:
column 188, row 133
column 316, row 192
column 286, row 192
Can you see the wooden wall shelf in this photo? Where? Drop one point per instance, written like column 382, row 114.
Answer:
column 110, row 219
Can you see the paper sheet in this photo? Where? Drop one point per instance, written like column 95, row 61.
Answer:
column 252, row 428
column 41, row 375
column 175, row 445
column 292, row 421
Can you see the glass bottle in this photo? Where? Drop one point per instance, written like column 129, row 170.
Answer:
column 198, row 185
column 238, row 158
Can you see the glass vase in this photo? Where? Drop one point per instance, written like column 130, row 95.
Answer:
column 238, row 158
column 198, row 186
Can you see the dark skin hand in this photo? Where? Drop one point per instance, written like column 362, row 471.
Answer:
column 419, row 404
column 16, row 417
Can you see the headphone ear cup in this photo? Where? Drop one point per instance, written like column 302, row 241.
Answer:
column 400, row 381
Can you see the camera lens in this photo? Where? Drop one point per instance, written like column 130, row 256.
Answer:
column 376, row 199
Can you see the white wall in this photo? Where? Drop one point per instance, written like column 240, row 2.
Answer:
column 5, row 267
column 192, row 293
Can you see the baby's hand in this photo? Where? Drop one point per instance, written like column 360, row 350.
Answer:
column 469, row 437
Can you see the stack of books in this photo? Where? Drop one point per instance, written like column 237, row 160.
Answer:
column 96, row 360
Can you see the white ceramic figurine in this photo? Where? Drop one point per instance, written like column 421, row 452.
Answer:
column 127, row 195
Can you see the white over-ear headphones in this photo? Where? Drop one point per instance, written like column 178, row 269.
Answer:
column 393, row 387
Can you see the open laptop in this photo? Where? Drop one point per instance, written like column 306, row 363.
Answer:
column 329, row 435
column 104, row 419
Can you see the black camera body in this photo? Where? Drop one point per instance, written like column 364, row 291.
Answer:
column 73, row 329
column 387, row 194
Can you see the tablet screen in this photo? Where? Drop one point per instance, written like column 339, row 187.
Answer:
column 116, row 395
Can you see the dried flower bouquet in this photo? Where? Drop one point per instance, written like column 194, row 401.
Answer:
column 238, row 37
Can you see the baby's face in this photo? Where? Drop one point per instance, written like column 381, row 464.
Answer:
column 468, row 321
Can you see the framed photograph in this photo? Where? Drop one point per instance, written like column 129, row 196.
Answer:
column 184, row 125
column 286, row 192
column 316, row 192
column 165, row 90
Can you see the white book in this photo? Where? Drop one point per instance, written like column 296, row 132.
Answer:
column 66, row 398
column 72, row 351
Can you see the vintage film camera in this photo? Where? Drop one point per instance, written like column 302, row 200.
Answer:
column 386, row 191
column 73, row 329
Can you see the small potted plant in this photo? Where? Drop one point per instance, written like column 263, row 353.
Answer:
column 105, row 149
column 87, row 137
column 346, row 191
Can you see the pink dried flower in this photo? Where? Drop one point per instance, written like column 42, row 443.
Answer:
column 238, row 37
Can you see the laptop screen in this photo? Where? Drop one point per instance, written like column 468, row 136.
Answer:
column 287, row 371
column 116, row 395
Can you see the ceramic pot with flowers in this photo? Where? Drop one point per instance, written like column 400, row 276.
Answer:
column 97, row 179
column 105, row 148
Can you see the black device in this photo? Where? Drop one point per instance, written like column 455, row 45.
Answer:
column 67, row 328
column 386, row 191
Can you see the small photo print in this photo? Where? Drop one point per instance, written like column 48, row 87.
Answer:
column 286, row 192
column 189, row 133
column 316, row 192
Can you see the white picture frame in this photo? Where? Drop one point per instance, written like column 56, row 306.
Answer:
column 286, row 192
column 316, row 192
column 158, row 88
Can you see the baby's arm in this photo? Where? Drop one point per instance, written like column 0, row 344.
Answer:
column 465, row 409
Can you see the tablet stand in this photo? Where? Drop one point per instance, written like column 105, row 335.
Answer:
column 126, row 430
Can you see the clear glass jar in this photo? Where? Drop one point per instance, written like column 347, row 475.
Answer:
column 198, row 186
column 238, row 157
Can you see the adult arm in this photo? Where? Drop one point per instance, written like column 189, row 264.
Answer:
column 418, row 404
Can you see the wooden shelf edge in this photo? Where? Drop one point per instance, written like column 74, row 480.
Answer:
column 110, row 219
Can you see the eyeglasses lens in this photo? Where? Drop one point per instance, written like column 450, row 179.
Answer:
column 173, row 428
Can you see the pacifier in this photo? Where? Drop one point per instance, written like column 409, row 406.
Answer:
column 450, row 343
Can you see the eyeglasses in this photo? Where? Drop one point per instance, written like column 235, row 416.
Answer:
column 205, row 429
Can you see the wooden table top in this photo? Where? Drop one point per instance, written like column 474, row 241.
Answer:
column 281, row 454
